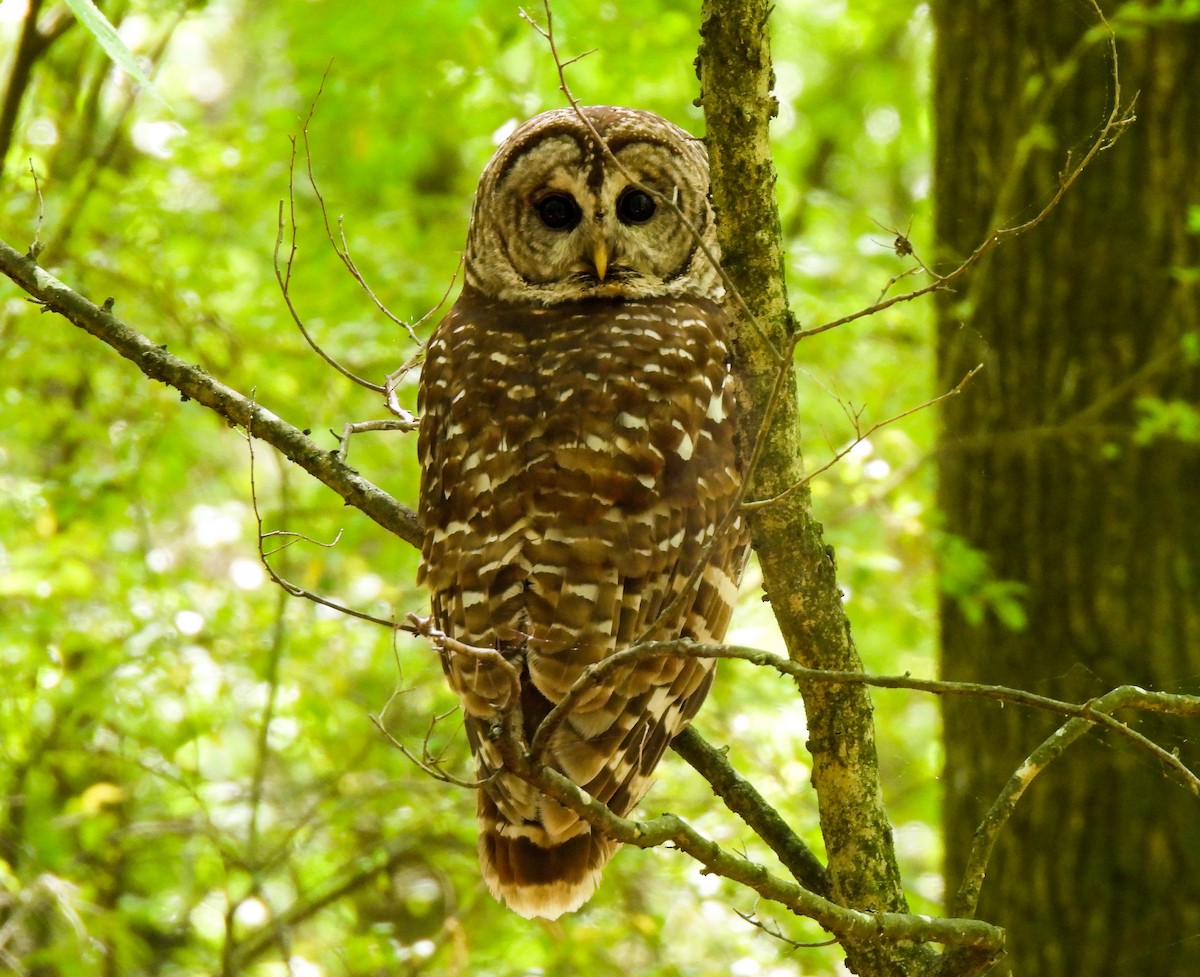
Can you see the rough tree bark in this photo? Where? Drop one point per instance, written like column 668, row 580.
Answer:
column 1042, row 470
column 799, row 571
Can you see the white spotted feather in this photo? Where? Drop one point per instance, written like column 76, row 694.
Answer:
column 578, row 451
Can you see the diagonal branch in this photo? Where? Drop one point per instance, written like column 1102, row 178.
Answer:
column 744, row 800
column 1094, row 712
column 966, row 899
column 852, row 926
column 196, row 384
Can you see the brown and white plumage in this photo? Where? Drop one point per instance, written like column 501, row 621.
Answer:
column 578, row 451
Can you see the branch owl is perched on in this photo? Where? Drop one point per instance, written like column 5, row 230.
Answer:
column 577, row 447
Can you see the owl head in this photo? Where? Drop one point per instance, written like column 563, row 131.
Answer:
column 560, row 218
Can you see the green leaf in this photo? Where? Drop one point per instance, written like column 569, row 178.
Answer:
column 968, row 579
column 104, row 32
column 1175, row 419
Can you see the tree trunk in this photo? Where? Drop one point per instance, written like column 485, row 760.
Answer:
column 1087, row 326
column 798, row 569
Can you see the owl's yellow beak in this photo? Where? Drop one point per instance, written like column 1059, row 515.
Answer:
column 600, row 259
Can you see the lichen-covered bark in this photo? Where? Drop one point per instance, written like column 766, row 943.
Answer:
column 798, row 568
column 1098, row 872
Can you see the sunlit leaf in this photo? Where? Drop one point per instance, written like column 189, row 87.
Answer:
column 107, row 37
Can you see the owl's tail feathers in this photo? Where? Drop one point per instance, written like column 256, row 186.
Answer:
column 535, row 873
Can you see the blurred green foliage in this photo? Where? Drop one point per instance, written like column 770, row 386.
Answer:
column 190, row 780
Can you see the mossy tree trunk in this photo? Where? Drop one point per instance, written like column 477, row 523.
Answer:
column 798, row 568
column 1088, row 325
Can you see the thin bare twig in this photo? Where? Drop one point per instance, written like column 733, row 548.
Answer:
column 343, row 251
column 35, row 247
column 341, row 248
column 406, row 423
column 1120, row 117
column 861, row 436
column 425, row 763
column 284, row 278
column 291, row 538
column 509, row 722
column 393, row 379
column 405, row 420
column 488, row 656
column 966, row 900
column 1092, row 711
column 775, row 932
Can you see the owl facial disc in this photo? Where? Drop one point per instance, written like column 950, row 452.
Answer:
column 560, row 216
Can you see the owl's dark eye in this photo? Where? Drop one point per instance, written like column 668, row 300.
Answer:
column 559, row 212
column 635, row 206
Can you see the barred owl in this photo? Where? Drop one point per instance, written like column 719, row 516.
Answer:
column 578, row 455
